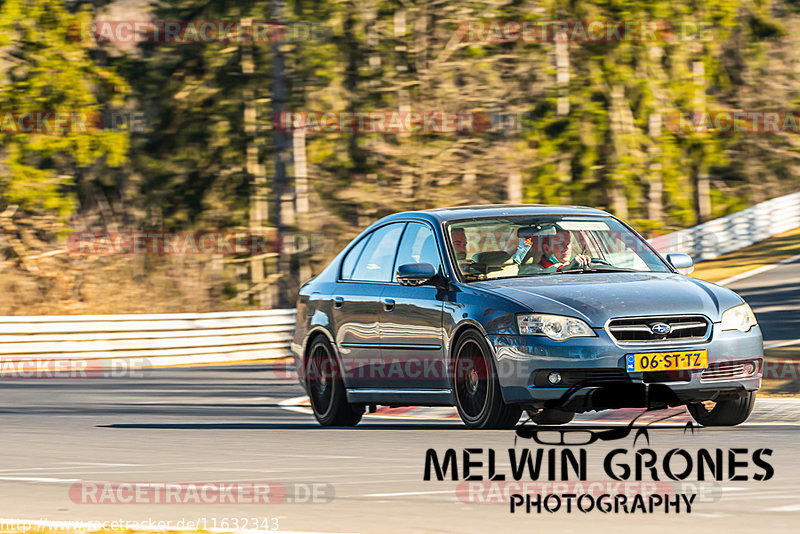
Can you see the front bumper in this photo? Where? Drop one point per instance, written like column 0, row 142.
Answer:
column 518, row 358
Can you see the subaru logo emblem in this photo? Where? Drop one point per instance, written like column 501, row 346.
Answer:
column 660, row 329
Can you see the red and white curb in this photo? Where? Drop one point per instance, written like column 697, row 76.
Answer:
column 302, row 405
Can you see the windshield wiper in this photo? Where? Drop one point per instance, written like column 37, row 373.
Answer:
column 570, row 271
column 526, row 275
column 600, row 270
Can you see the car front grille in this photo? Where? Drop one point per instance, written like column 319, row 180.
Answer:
column 640, row 329
column 730, row 370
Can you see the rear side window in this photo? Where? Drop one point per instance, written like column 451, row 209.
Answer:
column 352, row 257
column 377, row 258
column 417, row 246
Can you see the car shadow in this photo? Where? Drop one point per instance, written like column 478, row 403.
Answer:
column 285, row 426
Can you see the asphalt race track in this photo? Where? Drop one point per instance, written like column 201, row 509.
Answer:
column 227, row 425
column 774, row 296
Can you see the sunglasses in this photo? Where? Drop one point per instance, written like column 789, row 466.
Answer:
column 586, row 435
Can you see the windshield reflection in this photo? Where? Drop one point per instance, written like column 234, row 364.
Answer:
column 516, row 247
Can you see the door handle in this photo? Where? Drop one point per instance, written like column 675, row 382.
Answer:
column 337, row 302
column 388, row 304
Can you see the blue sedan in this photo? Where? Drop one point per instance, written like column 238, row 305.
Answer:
column 498, row 309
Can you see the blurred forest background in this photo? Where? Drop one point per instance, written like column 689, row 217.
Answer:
column 590, row 129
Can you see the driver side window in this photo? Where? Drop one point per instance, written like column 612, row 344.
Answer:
column 418, row 245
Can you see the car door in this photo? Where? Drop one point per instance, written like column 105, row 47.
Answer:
column 411, row 320
column 356, row 303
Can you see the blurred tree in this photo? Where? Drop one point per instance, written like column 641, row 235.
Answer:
column 194, row 158
column 555, row 121
column 44, row 68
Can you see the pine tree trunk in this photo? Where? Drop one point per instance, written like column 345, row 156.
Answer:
column 514, row 191
column 655, row 180
column 702, row 185
column 301, row 198
column 655, row 184
column 562, row 74
column 403, row 99
column 619, row 202
column 258, row 189
column 562, row 105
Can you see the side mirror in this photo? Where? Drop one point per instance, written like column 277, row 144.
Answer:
column 415, row 274
column 682, row 262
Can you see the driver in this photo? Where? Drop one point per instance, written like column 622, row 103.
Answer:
column 556, row 253
column 459, row 239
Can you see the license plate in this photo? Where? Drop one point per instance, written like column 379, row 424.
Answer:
column 667, row 361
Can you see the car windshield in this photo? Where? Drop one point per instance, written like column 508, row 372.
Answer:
column 510, row 247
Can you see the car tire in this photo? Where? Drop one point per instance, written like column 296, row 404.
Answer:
column 326, row 388
column 726, row 412
column 550, row 416
column 477, row 390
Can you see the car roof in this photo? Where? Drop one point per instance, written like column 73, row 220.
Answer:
column 494, row 210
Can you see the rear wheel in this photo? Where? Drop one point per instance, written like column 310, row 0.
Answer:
column 726, row 412
column 326, row 389
column 478, row 398
column 550, row 416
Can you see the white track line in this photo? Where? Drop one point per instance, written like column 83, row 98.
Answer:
column 42, row 479
column 93, row 525
column 93, row 464
column 758, row 270
column 787, row 508
column 779, row 344
column 406, row 493
column 295, row 404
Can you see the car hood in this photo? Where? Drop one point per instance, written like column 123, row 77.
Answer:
column 597, row 297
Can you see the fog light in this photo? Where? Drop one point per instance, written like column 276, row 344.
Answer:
column 554, row 378
column 750, row 368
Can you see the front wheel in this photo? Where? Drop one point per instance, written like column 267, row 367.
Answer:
column 727, row 412
column 478, row 398
column 326, row 389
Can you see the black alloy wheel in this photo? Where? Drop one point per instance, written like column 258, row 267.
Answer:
column 326, row 388
column 478, row 398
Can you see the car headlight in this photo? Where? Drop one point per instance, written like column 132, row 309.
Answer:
column 739, row 317
column 556, row 327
